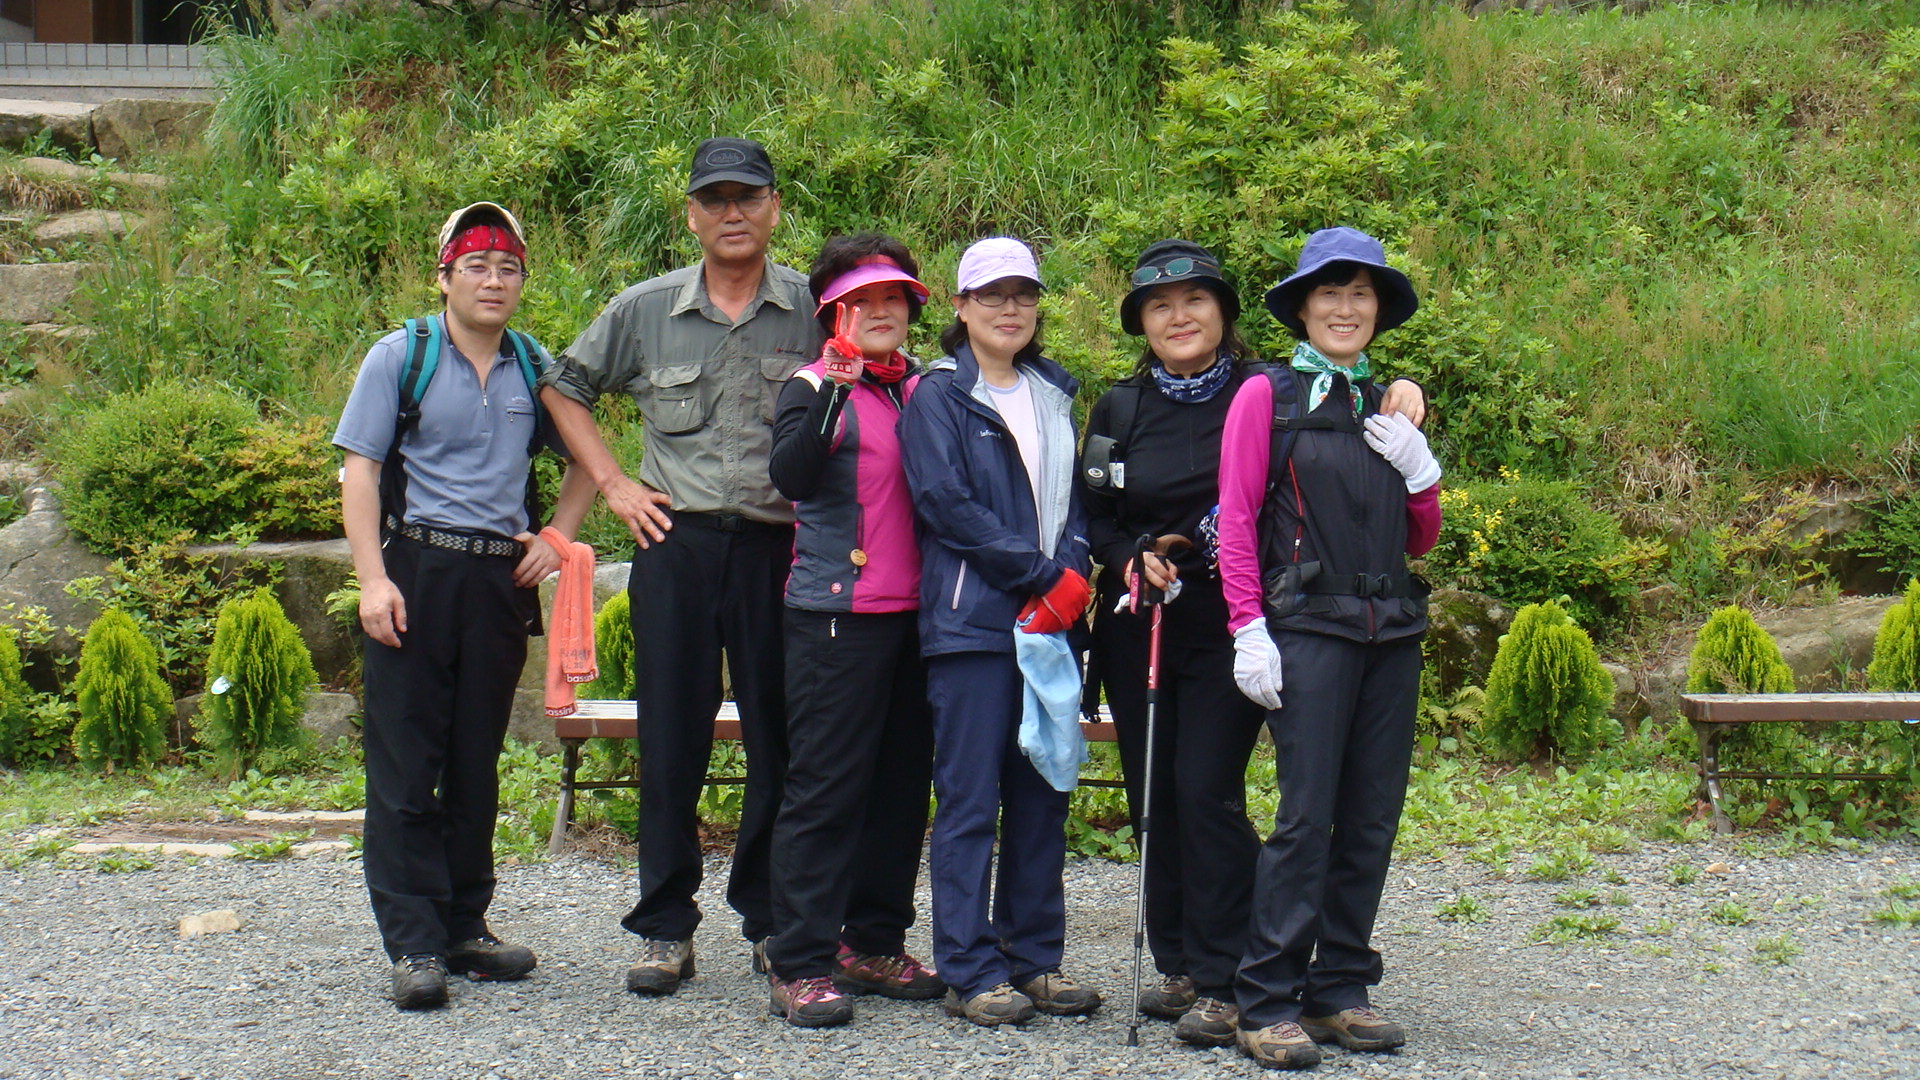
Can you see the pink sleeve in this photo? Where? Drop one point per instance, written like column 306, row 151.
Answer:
column 1423, row 521
column 1245, row 444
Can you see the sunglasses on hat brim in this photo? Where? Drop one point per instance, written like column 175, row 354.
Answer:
column 1175, row 269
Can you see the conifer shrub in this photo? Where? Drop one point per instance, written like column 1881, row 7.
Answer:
column 613, row 657
column 259, row 674
column 124, row 704
column 1735, row 655
column 1547, row 693
column 1896, row 646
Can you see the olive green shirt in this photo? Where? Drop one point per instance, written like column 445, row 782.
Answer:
column 706, row 384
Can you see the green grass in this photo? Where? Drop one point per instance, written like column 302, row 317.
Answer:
column 1463, row 909
column 1580, row 927
column 1730, row 913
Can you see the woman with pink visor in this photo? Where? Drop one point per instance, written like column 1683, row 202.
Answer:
column 846, row 844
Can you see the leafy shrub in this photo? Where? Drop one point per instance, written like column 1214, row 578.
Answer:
column 29, row 731
column 1896, row 646
column 293, row 469
column 1547, row 691
column 174, row 597
column 124, row 704
column 259, row 673
column 1526, row 540
column 1892, row 535
column 1734, row 655
column 155, row 463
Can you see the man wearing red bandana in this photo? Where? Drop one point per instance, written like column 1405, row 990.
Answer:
column 442, row 533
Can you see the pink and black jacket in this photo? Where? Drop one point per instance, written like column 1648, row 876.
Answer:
column 836, row 454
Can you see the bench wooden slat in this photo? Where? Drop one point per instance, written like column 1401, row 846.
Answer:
column 601, row 718
column 1783, row 708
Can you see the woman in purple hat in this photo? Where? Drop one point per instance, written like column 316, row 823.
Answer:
column 989, row 446
column 1322, row 498
column 846, row 844
column 1151, row 468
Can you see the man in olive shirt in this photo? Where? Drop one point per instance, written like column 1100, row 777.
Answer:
column 704, row 352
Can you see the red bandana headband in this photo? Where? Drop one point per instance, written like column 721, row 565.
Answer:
column 483, row 238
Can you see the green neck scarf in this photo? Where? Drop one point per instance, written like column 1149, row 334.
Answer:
column 1308, row 359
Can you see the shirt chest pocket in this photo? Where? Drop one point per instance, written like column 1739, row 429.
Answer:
column 675, row 399
column 774, row 373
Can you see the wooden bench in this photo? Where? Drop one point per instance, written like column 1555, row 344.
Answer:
column 603, row 719
column 1712, row 714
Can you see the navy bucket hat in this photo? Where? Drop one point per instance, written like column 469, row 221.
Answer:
column 1344, row 245
column 1166, row 262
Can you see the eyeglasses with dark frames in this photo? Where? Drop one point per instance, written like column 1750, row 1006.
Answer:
column 997, row 298
column 748, row 204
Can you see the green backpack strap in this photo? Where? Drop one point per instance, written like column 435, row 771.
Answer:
column 423, row 357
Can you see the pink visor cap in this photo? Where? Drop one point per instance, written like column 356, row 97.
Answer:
column 994, row 258
column 872, row 270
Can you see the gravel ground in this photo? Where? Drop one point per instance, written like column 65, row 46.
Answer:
column 94, row 982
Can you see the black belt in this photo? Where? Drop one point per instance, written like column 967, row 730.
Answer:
column 732, row 523
column 1386, row 586
column 465, row 543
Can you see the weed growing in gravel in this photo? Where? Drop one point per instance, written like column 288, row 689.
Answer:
column 1898, row 914
column 1578, row 898
column 268, row 850
column 124, row 862
column 1659, row 928
column 1463, row 909
column 1682, row 874
column 1612, row 876
column 1904, row 889
column 1660, row 949
column 1565, row 929
column 1730, row 913
column 1560, row 865
column 1776, row 951
column 1618, row 898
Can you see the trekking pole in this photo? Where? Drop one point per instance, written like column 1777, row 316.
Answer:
column 1146, row 593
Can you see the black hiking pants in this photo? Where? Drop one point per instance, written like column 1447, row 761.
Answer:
column 846, row 846
column 436, row 712
column 1343, row 741
column 713, row 586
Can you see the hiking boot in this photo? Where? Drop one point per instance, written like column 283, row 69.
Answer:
column 1057, row 995
column 1279, row 1046
column 900, row 977
column 1356, row 1029
column 662, row 966
column 419, row 981
column 808, row 1003
column 487, row 957
column 1171, row 999
column 992, row 1007
column 1211, row 1022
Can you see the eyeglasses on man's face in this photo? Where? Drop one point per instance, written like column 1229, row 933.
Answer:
column 479, row 272
column 750, row 203
column 995, row 297
column 1174, row 268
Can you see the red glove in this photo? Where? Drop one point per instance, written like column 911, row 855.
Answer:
column 1058, row 607
column 842, row 359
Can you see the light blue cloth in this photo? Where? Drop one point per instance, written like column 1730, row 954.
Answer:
column 1050, row 714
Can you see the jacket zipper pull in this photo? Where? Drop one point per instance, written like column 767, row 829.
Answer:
column 833, row 627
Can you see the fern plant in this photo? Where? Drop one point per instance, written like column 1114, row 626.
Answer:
column 1547, row 692
column 124, row 703
column 259, row 674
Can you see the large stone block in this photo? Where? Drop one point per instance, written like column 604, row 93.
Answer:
column 69, row 123
column 81, row 225
column 128, row 127
column 37, row 292
column 313, row 568
column 38, row 556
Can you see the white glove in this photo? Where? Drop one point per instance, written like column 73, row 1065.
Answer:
column 1394, row 437
column 1256, row 664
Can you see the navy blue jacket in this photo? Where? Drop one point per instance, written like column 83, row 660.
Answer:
column 980, row 555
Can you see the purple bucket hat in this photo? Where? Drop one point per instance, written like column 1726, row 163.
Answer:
column 1344, row 245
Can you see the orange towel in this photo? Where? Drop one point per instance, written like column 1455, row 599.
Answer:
column 570, row 630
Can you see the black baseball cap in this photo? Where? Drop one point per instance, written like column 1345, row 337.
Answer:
column 717, row 161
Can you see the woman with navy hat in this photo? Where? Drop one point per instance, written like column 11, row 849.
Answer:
column 1151, row 468
column 1322, row 498
column 846, row 843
